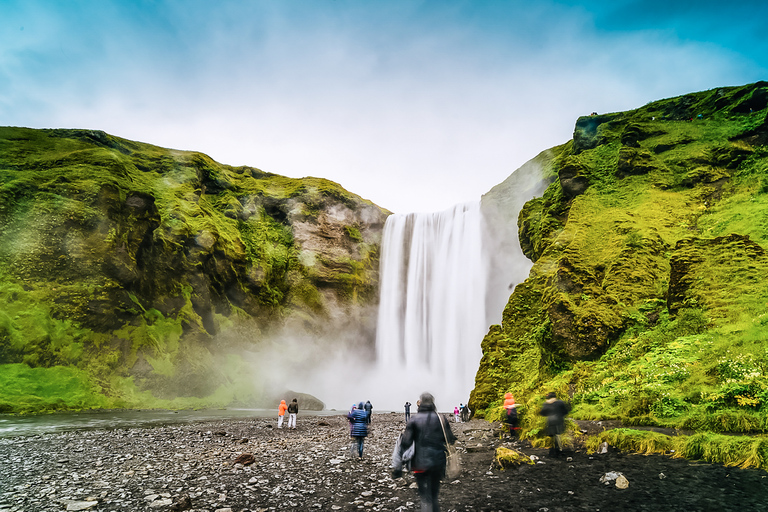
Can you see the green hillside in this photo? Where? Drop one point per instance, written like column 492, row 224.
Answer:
column 138, row 276
column 648, row 298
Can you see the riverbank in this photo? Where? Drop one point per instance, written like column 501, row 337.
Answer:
column 194, row 466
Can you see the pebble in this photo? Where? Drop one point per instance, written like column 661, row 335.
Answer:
column 192, row 467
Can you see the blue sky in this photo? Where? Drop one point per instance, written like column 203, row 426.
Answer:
column 415, row 105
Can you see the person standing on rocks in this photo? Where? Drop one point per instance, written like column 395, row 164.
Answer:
column 368, row 410
column 293, row 410
column 281, row 413
column 510, row 409
column 430, row 433
column 464, row 412
column 555, row 410
column 407, row 411
column 455, row 414
column 358, row 420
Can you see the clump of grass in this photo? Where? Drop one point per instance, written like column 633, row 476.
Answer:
column 639, row 441
column 740, row 451
column 507, row 458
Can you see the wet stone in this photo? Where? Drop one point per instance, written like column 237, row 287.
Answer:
column 189, row 467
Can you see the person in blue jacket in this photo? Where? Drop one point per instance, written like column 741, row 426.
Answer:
column 358, row 420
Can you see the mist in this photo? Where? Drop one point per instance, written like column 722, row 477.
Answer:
column 444, row 279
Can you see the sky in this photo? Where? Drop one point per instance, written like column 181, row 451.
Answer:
column 414, row 105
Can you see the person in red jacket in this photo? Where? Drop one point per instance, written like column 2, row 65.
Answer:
column 281, row 413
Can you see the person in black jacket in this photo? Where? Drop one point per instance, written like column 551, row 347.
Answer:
column 555, row 410
column 368, row 410
column 429, row 432
column 293, row 410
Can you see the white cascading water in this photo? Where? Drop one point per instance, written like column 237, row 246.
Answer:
column 432, row 304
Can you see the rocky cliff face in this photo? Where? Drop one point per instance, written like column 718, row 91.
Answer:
column 141, row 267
column 652, row 229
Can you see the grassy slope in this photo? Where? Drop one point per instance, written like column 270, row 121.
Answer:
column 647, row 301
column 120, row 261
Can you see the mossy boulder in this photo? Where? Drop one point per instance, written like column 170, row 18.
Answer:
column 506, row 458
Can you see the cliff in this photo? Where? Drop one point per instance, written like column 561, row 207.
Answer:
column 646, row 298
column 137, row 276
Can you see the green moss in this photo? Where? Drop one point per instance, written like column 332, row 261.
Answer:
column 28, row 389
column 741, row 451
column 121, row 260
column 507, row 458
column 271, row 255
column 354, row 233
column 647, row 299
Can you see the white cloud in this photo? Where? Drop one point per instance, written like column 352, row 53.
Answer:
column 413, row 109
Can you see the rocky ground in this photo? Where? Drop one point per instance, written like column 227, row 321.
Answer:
column 195, row 467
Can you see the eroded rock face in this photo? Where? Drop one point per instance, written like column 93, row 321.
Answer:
column 173, row 258
column 634, row 226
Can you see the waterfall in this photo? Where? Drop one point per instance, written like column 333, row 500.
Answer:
column 432, row 314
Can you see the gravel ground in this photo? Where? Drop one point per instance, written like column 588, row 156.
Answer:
column 195, row 467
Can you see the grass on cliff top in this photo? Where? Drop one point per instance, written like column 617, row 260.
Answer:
column 91, row 155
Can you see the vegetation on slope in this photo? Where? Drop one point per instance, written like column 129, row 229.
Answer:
column 130, row 274
column 647, row 301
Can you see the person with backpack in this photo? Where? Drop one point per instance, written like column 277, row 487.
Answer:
column 429, row 434
column 465, row 412
column 368, row 410
column 358, row 427
column 511, row 417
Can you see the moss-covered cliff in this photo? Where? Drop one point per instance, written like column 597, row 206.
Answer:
column 647, row 299
column 133, row 275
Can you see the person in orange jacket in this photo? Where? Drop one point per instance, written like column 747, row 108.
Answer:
column 281, row 413
column 510, row 407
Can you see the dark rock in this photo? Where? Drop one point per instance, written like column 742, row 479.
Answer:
column 588, row 132
column 633, row 161
column 633, row 133
column 182, row 503
column 661, row 148
column 573, row 178
column 245, row 459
